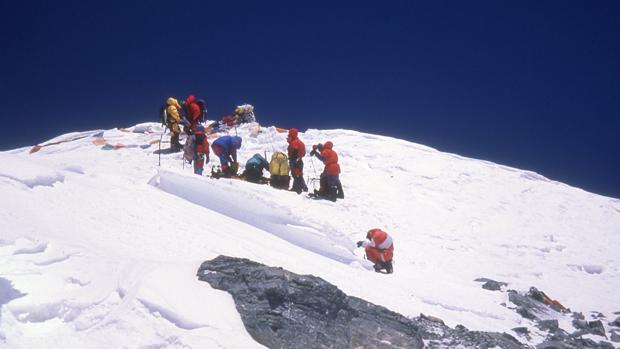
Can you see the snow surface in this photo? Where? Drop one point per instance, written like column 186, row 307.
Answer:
column 99, row 248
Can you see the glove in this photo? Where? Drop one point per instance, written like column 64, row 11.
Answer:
column 360, row 243
column 314, row 147
column 313, row 151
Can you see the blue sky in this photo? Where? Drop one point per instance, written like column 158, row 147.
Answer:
column 530, row 84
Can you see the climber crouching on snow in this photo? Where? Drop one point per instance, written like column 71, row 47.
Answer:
column 254, row 169
column 330, row 186
column 226, row 148
column 379, row 249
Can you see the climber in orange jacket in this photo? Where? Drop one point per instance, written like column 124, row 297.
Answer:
column 379, row 249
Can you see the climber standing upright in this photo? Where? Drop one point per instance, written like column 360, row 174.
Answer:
column 173, row 111
column 296, row 151
column 192, row 110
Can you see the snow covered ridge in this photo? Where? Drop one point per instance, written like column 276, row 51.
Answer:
column 99, row 246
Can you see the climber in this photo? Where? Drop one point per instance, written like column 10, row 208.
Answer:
column 296, row 151
column 330, row 187
column 226, row 148
column 254, row 169
column 379, row 249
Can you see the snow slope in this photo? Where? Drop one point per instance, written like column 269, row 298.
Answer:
column 99, row 248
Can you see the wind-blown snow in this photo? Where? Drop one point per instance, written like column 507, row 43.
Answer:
column 99, row 248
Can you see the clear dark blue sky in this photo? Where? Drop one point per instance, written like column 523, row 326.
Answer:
column 531, row 84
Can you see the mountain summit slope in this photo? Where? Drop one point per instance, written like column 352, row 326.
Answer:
column 99, row 245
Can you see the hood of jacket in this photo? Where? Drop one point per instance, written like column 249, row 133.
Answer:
column 190, row 99
column 173, row 102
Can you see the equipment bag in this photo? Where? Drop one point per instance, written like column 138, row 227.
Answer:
column 278, row 166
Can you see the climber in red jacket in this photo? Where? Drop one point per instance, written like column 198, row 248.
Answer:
column 192, row 110
column 296, row 151
column 330, row 186
column 379, row 249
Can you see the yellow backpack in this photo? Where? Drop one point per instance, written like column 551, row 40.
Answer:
column 278, row 166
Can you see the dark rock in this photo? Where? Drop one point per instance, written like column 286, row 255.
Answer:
column 614, row 337
column 591, row 327
column 535, row 294
column 281, row 309
column 616, row 322
column 527, row 307
column 554, row 345
column 491, row 285
column 521, row 330
column 548, row 325
column 596, row 328
column 431, row 318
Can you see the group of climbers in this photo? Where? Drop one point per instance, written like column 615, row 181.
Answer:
column 379, row 248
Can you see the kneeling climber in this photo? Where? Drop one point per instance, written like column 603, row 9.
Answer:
column 254, row 169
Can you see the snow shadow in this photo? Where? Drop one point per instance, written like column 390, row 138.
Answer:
column 235, row 201
column 7, row 293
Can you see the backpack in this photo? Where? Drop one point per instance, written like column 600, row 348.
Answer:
column 189, row 148
column 202, row 105
column 278, row 166
column 163, row 114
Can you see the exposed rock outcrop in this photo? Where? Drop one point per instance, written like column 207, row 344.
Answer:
column 281, row 309
column 536, row 306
